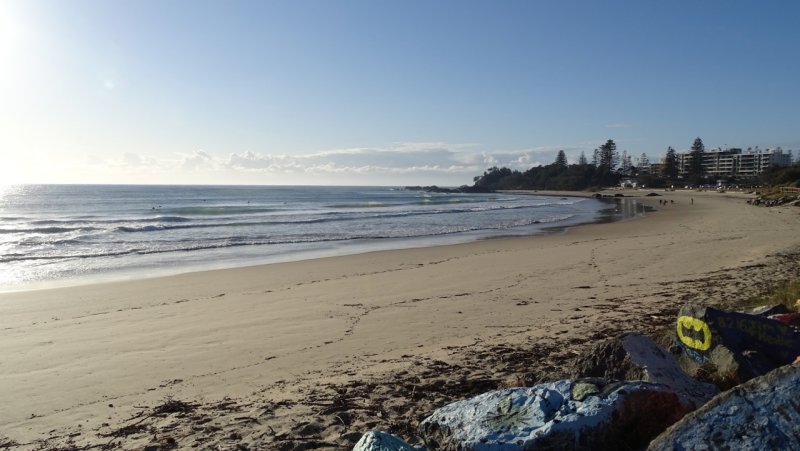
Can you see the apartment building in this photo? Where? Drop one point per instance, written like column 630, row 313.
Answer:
column 733, row 162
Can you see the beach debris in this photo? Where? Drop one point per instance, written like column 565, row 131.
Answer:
column 636, row 357
column 763, row 413
column 382, row 441
column 732, row 347
column 587, row 414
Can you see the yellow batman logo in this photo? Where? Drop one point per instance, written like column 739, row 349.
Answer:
column 689, row 330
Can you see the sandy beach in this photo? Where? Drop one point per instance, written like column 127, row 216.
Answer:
column 311, row 354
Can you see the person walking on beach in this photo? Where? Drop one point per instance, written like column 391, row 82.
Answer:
column 692, row 198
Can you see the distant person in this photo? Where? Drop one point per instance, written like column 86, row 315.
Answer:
column 692, row 198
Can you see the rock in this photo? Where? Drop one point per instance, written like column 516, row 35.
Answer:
column 551, row 416
column 763, row 413
column 767, row 310
column 637, row 357
column 790, row 319
column 382, row 441
column 583, row 389
column 734, row 347
column 607, row 359
column 660, row 367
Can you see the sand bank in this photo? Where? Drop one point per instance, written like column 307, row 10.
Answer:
column 273, row 338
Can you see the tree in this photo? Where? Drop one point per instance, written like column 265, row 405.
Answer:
column 643, row 165
column 626, row 165
column 608, row 156
column 607, row 160
column 596, row 158
column 671, row 164
column 561, row 160
column 698, row 146
column 696, row 161
column 582, row 160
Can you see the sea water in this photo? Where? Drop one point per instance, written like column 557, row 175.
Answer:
column 67, row 234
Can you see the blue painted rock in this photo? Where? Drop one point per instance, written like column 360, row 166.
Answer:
column 382, row 441
column 565, row 415
column 763, row 413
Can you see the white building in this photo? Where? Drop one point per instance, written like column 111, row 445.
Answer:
column 733, row 162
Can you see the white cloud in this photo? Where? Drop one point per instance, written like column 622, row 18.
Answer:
column 403, row 158
column 398, row 163
column 135, row 160
column 199, row 160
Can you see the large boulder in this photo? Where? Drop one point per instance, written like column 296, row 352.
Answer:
column 565, row 415
column 638, row 357
column 763, row 413
column 733, row 346
column 382, row 441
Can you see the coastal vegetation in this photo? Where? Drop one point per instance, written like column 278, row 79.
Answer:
column 786, row 293
column 608, row 167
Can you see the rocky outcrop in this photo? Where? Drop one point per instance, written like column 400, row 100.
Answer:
column 763, row 413
column 565, row 415
column 636, row 357
column 382, row 441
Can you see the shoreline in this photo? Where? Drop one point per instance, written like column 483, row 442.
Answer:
column 447, row 320
column 341, row 250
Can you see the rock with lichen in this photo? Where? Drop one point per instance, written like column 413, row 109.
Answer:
column 382, row 441
column 584, row 414
column 763, row 413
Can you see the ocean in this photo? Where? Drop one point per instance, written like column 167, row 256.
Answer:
column 52, row 235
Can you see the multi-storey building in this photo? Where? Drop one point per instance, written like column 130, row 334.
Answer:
column 733, row 162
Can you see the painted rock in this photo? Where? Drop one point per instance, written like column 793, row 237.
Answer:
column 737, row 344
column 565, row 415
column 790, row 319
column 763, row 413
column 767, row 310
column 700, row 329
column 382, row 441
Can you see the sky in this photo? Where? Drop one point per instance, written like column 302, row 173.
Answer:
column 380, row 92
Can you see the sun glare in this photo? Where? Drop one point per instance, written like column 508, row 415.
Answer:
column 11, row 31
column 7, row 177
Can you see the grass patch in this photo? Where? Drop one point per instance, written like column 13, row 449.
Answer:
column 787, row 293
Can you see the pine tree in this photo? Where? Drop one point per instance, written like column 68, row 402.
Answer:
column 671, row 164
column 582, row 160
column 608, row 155
column 561, row 159
column 643, row 165
column 696, row 161
column 698, row 146
column 596, row 158
column 626, row 166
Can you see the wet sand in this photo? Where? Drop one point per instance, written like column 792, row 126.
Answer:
column 311, row 354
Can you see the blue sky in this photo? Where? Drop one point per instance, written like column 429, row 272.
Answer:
column 378, row 92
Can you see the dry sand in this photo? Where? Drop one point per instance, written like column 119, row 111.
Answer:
column 311, row 354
